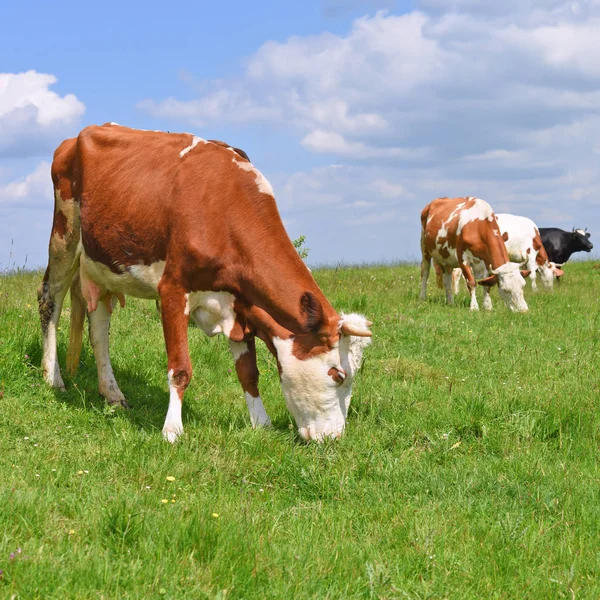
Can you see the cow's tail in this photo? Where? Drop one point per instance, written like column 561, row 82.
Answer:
column 78, row 309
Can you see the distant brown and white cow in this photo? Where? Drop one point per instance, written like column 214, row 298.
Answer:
column 463, row 232
column 194, row 224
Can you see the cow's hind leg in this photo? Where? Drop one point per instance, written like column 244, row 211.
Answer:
column 447, row 277
column 244, row 355
column 63, row 259
column 425, row 268
column 175, row 317
column 99, row 332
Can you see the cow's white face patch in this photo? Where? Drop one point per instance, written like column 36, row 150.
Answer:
column 319, row 404
column 195, row 141
column 212, row 311
column 546, row 274
column 261, row 181
column 510, row 287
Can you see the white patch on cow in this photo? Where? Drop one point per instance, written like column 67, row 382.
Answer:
column 258, row 414
column 212, row 311
column 237, row 349
column 140, row 281
column 319, row 404
column 480, row 210
column 173, row 426
column 261, row 181
column 186, row 310
column 195, row 141
column 581, row 232
column 113, row 123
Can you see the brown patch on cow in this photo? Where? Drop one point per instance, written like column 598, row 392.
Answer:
column 529, row 250
column 542, row 256
column 59, row 227
column 505, row 236
column 444, row 252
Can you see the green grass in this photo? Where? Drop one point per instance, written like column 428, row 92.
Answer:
column 469, row 467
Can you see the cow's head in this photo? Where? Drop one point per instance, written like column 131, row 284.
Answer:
column 582, row 240
column 511, row 281
column 548, row 272
column 317, row 389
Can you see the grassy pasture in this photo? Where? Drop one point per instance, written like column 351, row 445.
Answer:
column 469, row 467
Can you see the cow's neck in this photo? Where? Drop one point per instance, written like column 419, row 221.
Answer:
column 271, row 281
column 497, row 253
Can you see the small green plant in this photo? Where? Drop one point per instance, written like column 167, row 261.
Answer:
column 300, row 247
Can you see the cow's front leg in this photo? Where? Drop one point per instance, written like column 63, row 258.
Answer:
column 487, row 299
column 175, row 317
column 244, row 355
column 471, row 284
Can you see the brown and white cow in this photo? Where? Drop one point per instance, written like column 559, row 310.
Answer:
column 192, row 223
column 463, row 232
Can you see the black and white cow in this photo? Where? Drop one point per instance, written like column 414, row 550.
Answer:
column 561, row 244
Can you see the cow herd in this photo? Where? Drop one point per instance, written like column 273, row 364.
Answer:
column 192, row 223
column 464, row 237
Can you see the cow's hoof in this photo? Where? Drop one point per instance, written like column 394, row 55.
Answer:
column 55, row 381
column 117, row 401
column 171, row 433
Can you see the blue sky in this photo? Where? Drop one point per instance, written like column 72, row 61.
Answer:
column 358, row 112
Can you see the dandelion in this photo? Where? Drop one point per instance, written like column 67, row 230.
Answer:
column 173, row 501
column 165, row 501
column 79, row 472
column 215, row 515
column 170, row 478
column 71, row 532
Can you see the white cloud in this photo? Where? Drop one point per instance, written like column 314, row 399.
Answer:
column 33, row 118
column 35, row 189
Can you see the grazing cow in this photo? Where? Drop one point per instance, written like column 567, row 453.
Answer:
column 561, row 244
column 463, row 232
column 193, row 224
column 524, row 246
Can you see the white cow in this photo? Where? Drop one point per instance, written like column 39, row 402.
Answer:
column 524, row 246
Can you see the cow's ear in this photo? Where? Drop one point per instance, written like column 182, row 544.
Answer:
column 525, row 274
column 312, row 311
column 557, row 272
column 489, row 281
column 505, row 236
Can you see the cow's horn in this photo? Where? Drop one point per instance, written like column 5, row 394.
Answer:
column 349, row 329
